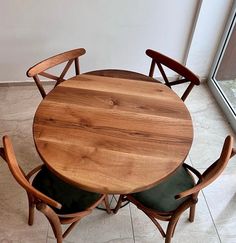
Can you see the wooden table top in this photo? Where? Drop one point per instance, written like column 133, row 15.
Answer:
column 112, row 135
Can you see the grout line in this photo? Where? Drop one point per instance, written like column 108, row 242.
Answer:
column 211, row 217
column 47, row 233
column 131, row 220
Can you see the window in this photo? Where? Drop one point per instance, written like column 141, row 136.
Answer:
column 223, row 74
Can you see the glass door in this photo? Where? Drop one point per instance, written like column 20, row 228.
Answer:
column 222, row 79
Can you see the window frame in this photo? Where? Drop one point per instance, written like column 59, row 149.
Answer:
column 212, row 82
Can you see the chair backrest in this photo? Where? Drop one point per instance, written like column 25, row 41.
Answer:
column 8, row 154
column 185, row 74
column 213, row 171
column 40, row 68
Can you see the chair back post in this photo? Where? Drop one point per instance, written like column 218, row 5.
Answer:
column 39, row 85
column 77, row 69
column 187, row 91
column 164, row 75
column 152, row 68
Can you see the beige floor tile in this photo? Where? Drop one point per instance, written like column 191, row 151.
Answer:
column 206, row 149
column 210, row 127
column 221, row 198
column 228, row 239
column 188, row 161
column 201, row 230
column 50, row 240
column 100, row 227
column 18, row 105
column 16, row 117
column 209, row 123
column 14, row 213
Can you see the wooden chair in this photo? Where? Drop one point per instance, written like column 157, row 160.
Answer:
column 60, row 202
column 41, row 67
column 186, row 75
column 169, row 199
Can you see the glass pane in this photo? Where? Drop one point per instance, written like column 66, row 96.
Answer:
column 225, row 74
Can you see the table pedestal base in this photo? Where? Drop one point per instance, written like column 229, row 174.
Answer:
column 113, row 199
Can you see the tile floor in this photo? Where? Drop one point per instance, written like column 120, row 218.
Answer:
column 229, row 89
column 216, row 211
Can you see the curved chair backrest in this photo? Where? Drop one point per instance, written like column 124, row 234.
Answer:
column 186, row 75
column 40, row 68
column 19, row 175
column 213, row 171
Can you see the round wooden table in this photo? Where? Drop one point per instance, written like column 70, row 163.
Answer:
column 112, row 135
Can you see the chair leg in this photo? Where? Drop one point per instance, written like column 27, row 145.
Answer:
column 157, row 224
column 175, row 218
column 69, row 229
column 53, row 220
column 31, row 209
column 118, row 205
column 170, row 230
column 192, row 213
column 174, row 227
column 107, row 205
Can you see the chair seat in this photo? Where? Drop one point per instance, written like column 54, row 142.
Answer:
column 162, row 196
column 72, row 199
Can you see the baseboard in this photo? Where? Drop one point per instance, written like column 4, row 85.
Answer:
column 45, row 82
column 23, row 83
column 175, row 77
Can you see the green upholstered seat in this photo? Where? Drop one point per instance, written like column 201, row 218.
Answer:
column 162, row 196
column 73, row 199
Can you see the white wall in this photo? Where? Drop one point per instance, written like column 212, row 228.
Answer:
column 114, row 33
column 208, row 32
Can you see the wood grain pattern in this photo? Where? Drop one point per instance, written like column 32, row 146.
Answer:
column 125, row 74
column 112, row 135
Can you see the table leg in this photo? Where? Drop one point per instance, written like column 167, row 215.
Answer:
column 113, row 199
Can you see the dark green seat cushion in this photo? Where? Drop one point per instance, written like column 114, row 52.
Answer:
column 73, row 199
column 162, row 196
